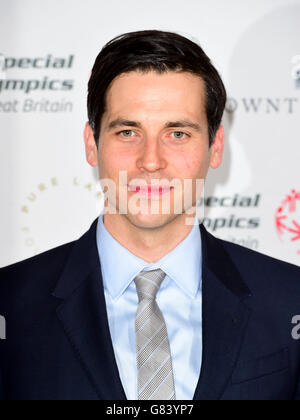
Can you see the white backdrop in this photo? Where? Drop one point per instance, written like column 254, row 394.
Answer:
column 49, row 194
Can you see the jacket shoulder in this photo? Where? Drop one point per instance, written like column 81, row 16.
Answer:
column 250, row 255
column 262, row 271
column 33, row 276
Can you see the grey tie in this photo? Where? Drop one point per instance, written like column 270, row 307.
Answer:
column 155, row 373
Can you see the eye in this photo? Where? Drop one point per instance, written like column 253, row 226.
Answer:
column 127, row 133
column 179, row 134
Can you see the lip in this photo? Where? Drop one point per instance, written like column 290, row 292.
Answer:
column 153, row 190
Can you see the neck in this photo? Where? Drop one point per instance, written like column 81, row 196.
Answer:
column 148, row 243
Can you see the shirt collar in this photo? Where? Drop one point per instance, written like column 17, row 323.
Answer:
column 119, row 266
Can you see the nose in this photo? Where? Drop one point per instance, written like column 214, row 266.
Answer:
column 151, row 158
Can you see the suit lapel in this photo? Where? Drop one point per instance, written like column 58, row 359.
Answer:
column 84, row 318
column 225, row 318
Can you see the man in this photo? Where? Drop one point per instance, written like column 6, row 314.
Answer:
column 147, row 305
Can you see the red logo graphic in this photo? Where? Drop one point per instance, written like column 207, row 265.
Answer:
column 286, row 224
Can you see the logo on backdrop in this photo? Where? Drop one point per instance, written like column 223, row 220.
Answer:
column 296, row 70
column 269, row 105
column 238, row 215
column 287, row 220
column 47, row 78
column 264, row 105
column 2, row 67
column 45, row 198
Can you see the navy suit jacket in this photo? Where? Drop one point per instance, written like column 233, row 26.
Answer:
column 58, row 344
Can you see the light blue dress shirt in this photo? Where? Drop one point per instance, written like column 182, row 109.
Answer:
column 179, row 299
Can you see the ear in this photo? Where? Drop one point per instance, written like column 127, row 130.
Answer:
column 217, row 148
column 91, row 150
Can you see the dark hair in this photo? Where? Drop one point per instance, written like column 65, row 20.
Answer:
column 159, row 51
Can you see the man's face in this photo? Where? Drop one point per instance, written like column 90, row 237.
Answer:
column 155, row 128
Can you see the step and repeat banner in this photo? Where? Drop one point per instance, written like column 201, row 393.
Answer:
column 50, row 195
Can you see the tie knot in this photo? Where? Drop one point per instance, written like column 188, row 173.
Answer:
column 148, row 283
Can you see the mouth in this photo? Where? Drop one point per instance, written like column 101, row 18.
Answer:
column 150, row 190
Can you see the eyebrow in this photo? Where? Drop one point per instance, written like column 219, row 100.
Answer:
column 120, row 122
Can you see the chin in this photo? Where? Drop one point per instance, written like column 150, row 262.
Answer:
column 150, row 221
